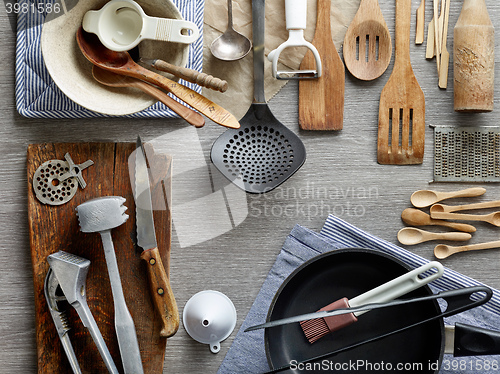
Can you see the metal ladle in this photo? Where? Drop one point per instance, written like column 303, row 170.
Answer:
column 231, row 45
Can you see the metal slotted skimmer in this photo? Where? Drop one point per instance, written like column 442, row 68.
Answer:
column 467, row 154
column 262, row 153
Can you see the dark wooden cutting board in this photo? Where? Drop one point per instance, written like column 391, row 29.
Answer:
column 55, row 228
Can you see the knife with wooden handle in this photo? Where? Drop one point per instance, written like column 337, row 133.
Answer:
column 161, row 291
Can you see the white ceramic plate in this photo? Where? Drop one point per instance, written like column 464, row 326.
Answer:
column 72, row 73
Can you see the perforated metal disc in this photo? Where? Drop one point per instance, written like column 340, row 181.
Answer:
column 261, row 154
column 49, row 189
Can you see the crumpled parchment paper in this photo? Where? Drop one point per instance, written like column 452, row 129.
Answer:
column 239, row 74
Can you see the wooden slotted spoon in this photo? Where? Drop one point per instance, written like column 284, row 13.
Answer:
column 401, row 123
column 367, row 43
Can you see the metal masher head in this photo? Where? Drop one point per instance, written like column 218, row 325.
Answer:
column 102, row 213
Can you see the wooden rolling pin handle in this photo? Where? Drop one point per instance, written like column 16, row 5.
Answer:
column 161, row 291
column 190, row 75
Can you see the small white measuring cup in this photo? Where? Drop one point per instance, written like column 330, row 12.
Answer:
column 122, row 24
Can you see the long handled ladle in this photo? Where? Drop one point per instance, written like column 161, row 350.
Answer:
column 442, row 251
column 121, row 63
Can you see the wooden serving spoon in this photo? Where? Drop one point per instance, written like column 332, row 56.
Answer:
column 111, row 79
column 423, row 198
column 416, row 217
column 367, row 29
column 412, row 235
column 455, row 208
column 121, row 63
column 493, row 218
column 442, row 251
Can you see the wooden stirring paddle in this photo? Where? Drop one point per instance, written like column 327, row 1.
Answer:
column 401, row 125
column 321, row 101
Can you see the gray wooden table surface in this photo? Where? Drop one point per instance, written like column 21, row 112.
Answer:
column 341, row 176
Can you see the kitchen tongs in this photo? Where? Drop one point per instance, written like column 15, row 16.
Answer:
column 68, row 273
column 457, row 301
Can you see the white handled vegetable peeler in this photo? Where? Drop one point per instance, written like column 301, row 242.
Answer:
column 296, row 20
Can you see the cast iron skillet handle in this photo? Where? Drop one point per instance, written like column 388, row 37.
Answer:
column 458, row 302
column 475, row 341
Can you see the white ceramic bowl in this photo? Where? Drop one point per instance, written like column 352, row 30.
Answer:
column 72, row 72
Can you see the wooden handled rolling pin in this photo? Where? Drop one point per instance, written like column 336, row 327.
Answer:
column 187, row 74
column 474, row 58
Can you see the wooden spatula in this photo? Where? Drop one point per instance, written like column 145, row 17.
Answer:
column 321, row 101
column 401, row 123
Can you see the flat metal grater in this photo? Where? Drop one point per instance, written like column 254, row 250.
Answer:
column 466, row 154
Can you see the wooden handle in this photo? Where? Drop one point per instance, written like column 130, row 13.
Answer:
column 419, row 34
column 187, row 114
column 456, row 208
column 163, row 296
column 445, row 55
column 458, row 216
column 474, row 247
column 403, row 19
column 189, row 75
column 199, row 102
column 468, row 192
column 430, row 50
column 454, row 225
column 454, row 236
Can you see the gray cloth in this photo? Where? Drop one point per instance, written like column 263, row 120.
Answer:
column 247, row 353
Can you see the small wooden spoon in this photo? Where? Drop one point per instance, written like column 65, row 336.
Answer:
column 455, row 208
column 121, row 63
column 412, row 235
column 423, row 198
column 416, row 217
column 368, row 28
column 442, row 251
column 111, row 79
column 493, row 218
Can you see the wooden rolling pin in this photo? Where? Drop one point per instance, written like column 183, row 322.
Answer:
column 187, row 74
column 474, row 58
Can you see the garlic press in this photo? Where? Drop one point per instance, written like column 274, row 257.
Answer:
column 65, row 281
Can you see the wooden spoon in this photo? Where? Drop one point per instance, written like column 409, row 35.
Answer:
column 121, row 63
column 493, row 218
column 423, row 198
column 111, row 79
column 412, row 235
column 455, row 208
column 416, row 217
column 442, row 251
column 367, row 29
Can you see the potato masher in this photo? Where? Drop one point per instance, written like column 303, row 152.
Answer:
column 68, row 273
column 296, row 19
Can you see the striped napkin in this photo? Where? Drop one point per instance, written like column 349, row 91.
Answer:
column 37, row 96
column 247, row 353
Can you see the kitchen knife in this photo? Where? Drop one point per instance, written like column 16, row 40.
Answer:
column 163, row 296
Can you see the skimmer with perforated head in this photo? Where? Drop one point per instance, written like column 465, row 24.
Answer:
column 262, row 153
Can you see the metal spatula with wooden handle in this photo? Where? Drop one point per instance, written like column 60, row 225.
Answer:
column 401, row 123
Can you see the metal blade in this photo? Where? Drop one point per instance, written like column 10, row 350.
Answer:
column 146, row 237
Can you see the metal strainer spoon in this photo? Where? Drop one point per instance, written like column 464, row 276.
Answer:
column 231, row 45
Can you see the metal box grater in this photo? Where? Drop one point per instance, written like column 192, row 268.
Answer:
column 466, row 154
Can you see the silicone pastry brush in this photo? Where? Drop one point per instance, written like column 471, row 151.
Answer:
column 315, row 329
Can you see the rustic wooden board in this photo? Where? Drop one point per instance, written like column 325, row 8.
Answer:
column 54, row 228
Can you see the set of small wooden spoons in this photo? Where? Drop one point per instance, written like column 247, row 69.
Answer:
column 439, row 213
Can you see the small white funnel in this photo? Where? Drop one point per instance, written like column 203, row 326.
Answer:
column 209, row 317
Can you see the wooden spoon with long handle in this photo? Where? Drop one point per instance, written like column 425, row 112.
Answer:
column 401, row 124
column 121, row 63
column 412, row 235
column 456, row 208
column 111, row 79
column 321, row 101
column 367, row 29
column 423, row 198
column 493, row 218
column 442, row 251
column 416, row 217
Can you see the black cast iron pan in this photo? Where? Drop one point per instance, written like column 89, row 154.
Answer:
column 348, row 273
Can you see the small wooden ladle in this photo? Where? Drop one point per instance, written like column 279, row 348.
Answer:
column 121, row 63
column 412, row 235
column 111, row 79
column 367, row 34
column 442, row 251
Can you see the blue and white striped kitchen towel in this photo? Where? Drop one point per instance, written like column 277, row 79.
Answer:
column 37, row 96
column 247, row 353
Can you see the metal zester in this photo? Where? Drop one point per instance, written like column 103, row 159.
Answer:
column 466, row 154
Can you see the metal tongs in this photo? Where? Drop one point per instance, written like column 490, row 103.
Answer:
column 65, row 281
